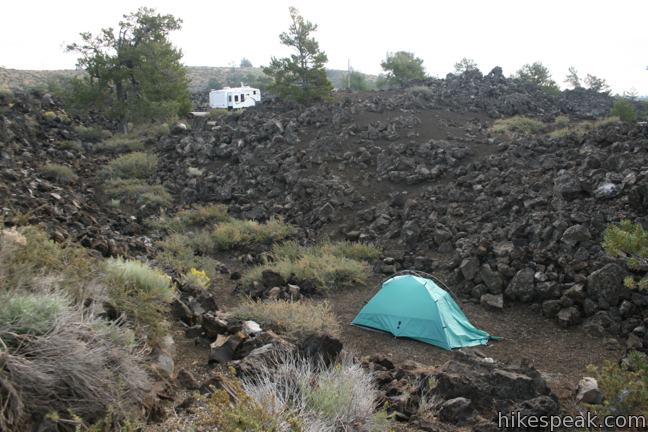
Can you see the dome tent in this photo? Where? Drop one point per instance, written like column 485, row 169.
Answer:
column 416, row 307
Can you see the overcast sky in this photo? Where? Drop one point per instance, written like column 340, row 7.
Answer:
column 608, row 39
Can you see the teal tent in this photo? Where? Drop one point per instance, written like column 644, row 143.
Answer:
column 417, row 308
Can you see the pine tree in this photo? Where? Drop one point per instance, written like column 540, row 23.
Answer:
column 301, row 76
column 630, row 242
column 402, row 68
column 134, row 75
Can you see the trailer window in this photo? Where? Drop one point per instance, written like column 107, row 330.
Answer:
column 242, row 98
column 229, row 98
column 235, row 98
column 254, row 92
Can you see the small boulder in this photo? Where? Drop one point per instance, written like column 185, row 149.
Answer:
column 469, row 267
column 522, row 286
column 568, row 317
column 606, row 284
column 457, row 411
column 324, row 346
column 588, row 391
column 575, row 234
column 492, row 301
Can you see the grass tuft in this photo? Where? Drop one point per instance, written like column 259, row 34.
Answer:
column 292, row 318
column 337, row 265
column 136, row 165
column 92, row 134
column 31, row 314
column 521, row 124
column 138, row 192
column 237, row 233
column 195, row 217
column 141, row 293
column 59, row 173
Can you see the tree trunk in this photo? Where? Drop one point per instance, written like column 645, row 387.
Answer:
column 121, row 98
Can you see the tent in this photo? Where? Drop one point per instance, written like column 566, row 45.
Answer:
column 416, row 307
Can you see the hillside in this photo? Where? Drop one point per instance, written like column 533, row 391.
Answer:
column 497, row 188
column 199, row 77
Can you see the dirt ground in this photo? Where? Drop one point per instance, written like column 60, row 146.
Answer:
column 562, row 355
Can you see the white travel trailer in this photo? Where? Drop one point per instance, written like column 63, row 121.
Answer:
column 234, row 97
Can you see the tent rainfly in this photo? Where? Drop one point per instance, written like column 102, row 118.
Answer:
column 417, row 308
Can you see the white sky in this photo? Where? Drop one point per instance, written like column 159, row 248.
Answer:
column 605, row 38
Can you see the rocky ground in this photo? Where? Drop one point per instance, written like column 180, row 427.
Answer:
column 512, row 222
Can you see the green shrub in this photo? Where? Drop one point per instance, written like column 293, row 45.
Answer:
column 325, row 271
column 337, row 397
column 31, row 314
column 625, row 110
column 91, row 134
column 138, row 192
column 195, row 217
column 231, row 409
column 292, row 251
column 293, row 318
column 352, row 250
column 29, row 261
column 581, row 128
column 624, row 386
column 141, row 293
column 58, row 173
column 237, row 233
column 74, row 373
column 176, row 253
column 520, row 124
column 152, row 131
column 561, row 121
column 136, row 165
column 628, row 241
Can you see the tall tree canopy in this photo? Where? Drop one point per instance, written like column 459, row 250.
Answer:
column 538, row 74
column 465, row 65
column 402, row 67
column 572, row 78
column 301, row 76
column 134, row 74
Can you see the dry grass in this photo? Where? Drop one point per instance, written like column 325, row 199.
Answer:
column 339, row 397
column 292, row 318
column 237, row 233
column 176, row 253
column 59, row 173
column 30, row 261
column 193, row 218
column 58, row 360
column 78, row 367
column 136, row 165
column 581, row 128
column 92, row 134
column 520, row 124
column 138, row 193
column 141, row 293
column 328, row 265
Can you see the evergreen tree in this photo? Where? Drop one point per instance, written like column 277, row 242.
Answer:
column 572, row 78
column 465, row 65
column 597, row 84
column 301, row 76
column 630, row 242
column 402, row 68
column 134, row 75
